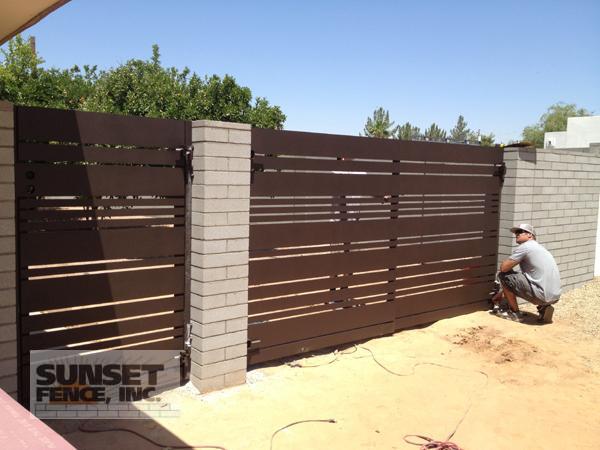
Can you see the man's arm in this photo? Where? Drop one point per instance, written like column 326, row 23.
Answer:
column 508, row 264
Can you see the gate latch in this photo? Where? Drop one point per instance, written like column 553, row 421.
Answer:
column 500, row 171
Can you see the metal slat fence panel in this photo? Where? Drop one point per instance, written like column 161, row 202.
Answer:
column 352, row 237
column 101, row 203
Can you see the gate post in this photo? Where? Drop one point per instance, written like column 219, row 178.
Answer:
column 8, row 316
column 219, row 260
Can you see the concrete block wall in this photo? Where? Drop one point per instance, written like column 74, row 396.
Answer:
column 219, row 273
column 8, row 327
column 557, row 192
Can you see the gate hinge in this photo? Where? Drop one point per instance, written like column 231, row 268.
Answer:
column 249, row 344
column 255, row 167
column 185, row 355
column 187, row 343
column 500, row 171
column 188, row 158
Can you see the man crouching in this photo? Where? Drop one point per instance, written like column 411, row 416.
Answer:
column 538, row 282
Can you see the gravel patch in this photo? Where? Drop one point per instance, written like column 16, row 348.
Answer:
column 581, row 307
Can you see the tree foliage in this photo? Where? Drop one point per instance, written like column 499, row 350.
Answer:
column 408, row 132
column 23, row 81
column 379, row 125
column 434, row 133
column 487, row 140
column 461, row 131
column 137, row 87
column 554, row 119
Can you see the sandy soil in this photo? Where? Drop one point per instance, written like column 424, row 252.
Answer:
column 522, row 386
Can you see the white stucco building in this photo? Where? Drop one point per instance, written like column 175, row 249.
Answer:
column 581, row 133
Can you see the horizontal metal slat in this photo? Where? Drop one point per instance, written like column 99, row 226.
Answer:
column 269, row 236
column 94, row 202
column 133, row 342
column 54, row 247
column 431, row 301
column 294, row 268
column 306, row 184
column 93, row 180
column 342, row 199
column 88, row 315
column 295, row 329
column 280, row 142
column 351, row 291
column 386, row 206
column 439, row 314
column 350, row 214
column 418, row 272
column 60, row 270
column 67, row 214
column 352, row 246
column 73, row 291
column 48, row 124
column 173, row 342
column 382, row 166
column 263, row 354
column 100, row 224
column 76, row 153
column 321, row 307
column 62, row 338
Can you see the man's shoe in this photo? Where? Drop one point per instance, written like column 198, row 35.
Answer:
column 500, row 307
column 495, row 310
column 515, row 316
column 545, row 313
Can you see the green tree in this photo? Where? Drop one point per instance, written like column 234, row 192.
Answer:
column 487, row 140
column 264, row 115
column 24, row 81
column 407, row 132
column 146, row 88
column 554, row 119
column 379, row 125
column 137, row 87
column 461, row 131
column 434, row 133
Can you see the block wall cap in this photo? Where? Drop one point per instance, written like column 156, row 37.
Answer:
column 220, row 124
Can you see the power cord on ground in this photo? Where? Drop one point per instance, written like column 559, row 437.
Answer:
column 336, row 355
column 298, row 422
column 429, row 444
column 127, row 430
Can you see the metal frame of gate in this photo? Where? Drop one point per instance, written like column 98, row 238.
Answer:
column 101, row 204
column 354, row 237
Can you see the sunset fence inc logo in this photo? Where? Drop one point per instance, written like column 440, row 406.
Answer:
column 106, row 384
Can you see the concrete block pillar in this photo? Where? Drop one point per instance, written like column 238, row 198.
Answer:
column 219, row 260
column 8, row 316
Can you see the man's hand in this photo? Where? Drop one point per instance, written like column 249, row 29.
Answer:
column 507, row 265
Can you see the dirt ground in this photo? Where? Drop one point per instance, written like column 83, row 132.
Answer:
column 514, row 386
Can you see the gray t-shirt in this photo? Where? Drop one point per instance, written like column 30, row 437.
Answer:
column 539, row 267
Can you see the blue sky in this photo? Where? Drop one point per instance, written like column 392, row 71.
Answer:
column 329, row 64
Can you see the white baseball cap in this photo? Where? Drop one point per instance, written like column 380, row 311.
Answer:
column 524, row 227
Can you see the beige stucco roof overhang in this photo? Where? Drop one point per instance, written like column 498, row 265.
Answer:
column 18, row 15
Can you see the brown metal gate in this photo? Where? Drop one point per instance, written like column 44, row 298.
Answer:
column 355, row 237
column 101, row 223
